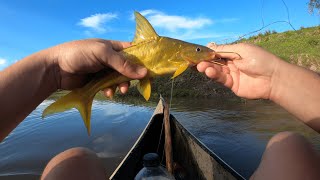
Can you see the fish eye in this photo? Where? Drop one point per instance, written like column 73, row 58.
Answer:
column 198, row 49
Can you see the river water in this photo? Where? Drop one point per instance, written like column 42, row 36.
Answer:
column 235, row 130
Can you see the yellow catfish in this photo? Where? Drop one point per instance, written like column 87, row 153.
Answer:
column 160, row 55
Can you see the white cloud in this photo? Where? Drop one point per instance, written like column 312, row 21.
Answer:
column 173, row 22
column 97, row 22
column 3, row 61
column 192, row 35
column 185, row 27
column 150, row 11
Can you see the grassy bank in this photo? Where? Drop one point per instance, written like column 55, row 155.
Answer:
column 299, row 47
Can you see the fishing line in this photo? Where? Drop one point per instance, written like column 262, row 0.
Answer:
column 160, row 137
column 160, row 143
column 171, row 92
column 288, row 21
column 288, row 15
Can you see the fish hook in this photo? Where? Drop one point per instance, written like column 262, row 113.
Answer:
column 219, row 52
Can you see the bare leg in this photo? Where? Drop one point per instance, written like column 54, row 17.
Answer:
column 75, row 163
column 288, row 156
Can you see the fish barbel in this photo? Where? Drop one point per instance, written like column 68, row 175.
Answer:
column 160, row 55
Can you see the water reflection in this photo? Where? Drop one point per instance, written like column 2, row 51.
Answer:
column 115, row 127
column 236, row 131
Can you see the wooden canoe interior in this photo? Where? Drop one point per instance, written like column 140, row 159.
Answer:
column 192, row 159
column 147, row 143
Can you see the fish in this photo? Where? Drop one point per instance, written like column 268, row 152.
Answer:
column 160, row 55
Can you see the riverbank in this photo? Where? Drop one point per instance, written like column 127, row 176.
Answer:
column 191, row 84
column 299, row 47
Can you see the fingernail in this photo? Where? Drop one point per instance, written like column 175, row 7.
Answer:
column 122, row 90
column 142, row 71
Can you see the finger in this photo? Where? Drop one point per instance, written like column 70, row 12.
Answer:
column 225, row 51
column 202, row 66
column 124, row 87
column 212, row 73
column 223, row 47
column 212, row 45
column 108, row 92
column 229, row 81
column 216, row 75
column 118, row 45
column 222, row 77
column 226, row 69
column 228, row 55
column 117, row 62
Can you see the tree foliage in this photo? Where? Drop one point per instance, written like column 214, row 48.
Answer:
column 314, row 5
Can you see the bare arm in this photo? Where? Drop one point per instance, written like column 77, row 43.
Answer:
column 260, row 74
column 298, row 91
column 24, row 85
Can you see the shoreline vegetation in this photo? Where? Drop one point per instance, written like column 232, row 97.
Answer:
column 299, row 47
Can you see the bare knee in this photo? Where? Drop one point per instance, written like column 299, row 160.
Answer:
column 75, row 163
column 287, row 139
column 288, row 155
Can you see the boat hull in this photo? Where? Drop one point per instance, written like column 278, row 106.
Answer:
column 192, row 159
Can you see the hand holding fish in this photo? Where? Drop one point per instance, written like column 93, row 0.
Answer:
column 251, row 77
column 25, row 84
column 77, row 60
column 260, row 74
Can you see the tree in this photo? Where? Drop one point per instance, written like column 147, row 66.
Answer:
column 313, row 5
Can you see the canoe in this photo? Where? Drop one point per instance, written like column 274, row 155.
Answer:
column 192, row 159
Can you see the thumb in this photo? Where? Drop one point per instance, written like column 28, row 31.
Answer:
column 225, row 51
column 123, row 66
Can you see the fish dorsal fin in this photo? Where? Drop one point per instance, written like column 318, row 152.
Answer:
column 144, row 30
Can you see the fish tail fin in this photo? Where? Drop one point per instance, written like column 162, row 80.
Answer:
column 74, row 99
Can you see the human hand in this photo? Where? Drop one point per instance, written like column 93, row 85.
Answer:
column 249, row 76
column 76, row 60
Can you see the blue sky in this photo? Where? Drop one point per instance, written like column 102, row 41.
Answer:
column 29, row 26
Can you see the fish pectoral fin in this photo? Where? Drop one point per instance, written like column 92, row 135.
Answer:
column 180, row 70
column 144, row 87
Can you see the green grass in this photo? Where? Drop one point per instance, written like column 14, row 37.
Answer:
column 301, row 47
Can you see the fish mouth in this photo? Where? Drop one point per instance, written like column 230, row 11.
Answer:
column 192, row 62
column 210, row 57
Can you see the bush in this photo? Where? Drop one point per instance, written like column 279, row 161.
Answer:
column 268, row 32
column 313, row 42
